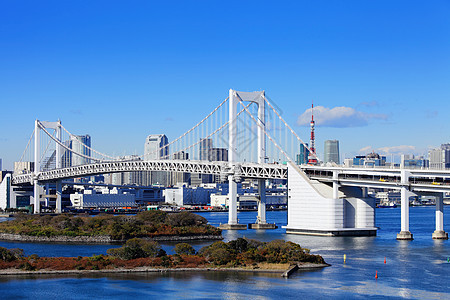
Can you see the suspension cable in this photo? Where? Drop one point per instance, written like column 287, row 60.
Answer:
column 261, row 126
column 198, row 124
column 217, row 130
column 28, row 144
column 91, row 149
column 67, row 148
column 292, row 131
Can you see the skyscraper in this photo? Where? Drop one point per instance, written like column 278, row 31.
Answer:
column 205, row 149
column 79, row 143
column 302, row 157
column 440, row 158
column 156, row 147
column 331, row 151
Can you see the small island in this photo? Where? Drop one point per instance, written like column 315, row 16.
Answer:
column 104, row 228
column 140, row 255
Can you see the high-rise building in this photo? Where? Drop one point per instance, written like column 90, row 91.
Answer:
column 302, row 157
column 440, row 157
column 79, row 143
column 23, row 167
column 205, row 149
column 371, row 159
column 180, row 177
column 218, row 154
column 331, row 151
column 156, row 148
column 415, row 162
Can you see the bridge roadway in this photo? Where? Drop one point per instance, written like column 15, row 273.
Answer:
column 239, row 170
column 420, row 180
column 416, row 180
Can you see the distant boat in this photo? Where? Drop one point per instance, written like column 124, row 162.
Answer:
column 387, row 205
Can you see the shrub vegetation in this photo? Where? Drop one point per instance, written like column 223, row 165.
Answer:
column 144, row 253
column 144, row 224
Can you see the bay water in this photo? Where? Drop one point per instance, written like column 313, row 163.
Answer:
column 415, row 269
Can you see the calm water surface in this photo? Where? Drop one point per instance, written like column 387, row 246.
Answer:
column 414, row 269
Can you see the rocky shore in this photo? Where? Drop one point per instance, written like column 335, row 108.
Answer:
column 97, row 239
column 300, row 266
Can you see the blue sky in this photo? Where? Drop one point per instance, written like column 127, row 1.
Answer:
column 379, row 71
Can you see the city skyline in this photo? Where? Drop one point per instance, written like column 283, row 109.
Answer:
column 376, row 85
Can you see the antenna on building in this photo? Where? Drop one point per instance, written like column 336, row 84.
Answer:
column 312, row 156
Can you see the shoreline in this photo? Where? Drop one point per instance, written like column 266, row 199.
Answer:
column 140, row 270
column 99, row 239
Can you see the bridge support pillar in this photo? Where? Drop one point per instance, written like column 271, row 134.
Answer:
column 37, row 197
column 47, row 194
column 262, row 202
column 439, row 233
column 261, row 222
column 404, row 234
column 232, row 202
column 58, row 209
column 335, row 185
column 232, row 207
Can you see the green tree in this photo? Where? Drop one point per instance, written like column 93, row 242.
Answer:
column 184, row 248
column 240, row 245
column 10, row 254
column 185, row 218
column 152, row 216
column 137, row 248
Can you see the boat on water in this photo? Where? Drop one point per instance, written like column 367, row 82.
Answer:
column 387, row 205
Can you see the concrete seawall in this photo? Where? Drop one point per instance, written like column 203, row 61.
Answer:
column 97, row 239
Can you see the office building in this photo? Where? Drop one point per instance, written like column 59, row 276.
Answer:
column 370, row 160
column 23, row 167
column 440, row 158
column 205, row 149
column 156, row 148
column 180, row 177
column 416, row 162
column 302, row 157
column 218, row 154
column 331, row 153
column 79, row 143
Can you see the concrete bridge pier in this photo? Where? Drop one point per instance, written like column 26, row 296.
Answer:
column 58, row 197
column 404, row 234
column 232, row 158
column 37, row 197
column 261, row 222
column 439, row 233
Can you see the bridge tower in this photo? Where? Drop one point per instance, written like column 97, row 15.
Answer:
column 38, row 126
column 235, row 97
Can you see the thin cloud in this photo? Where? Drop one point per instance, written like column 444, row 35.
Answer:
column 339, row 117
column 402, row 149
column 366, row 149
column 370, row 103
column 76, row 111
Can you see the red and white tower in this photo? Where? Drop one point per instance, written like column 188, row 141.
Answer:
column 312, row 155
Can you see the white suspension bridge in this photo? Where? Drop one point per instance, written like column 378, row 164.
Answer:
column 260, row 145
